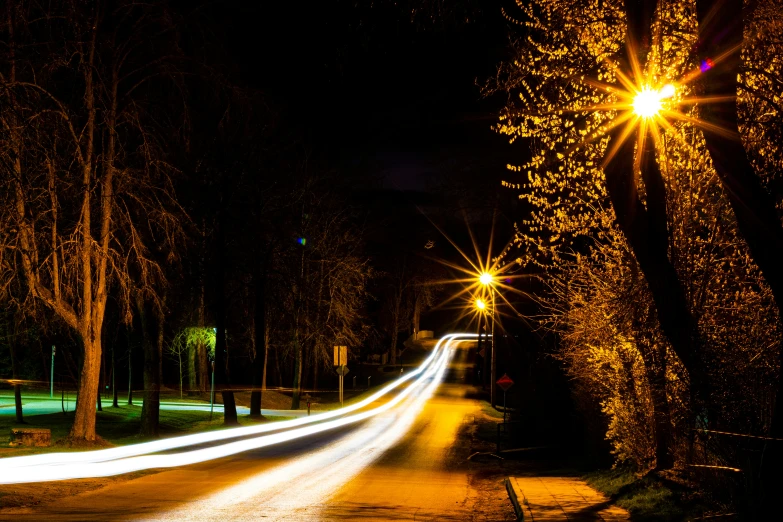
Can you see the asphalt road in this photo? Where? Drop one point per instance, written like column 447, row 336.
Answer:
column 405, row 464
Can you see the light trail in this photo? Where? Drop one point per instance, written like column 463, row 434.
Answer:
column 315, row 476
column 156, row 446
column 114, row 461
column 48, row 472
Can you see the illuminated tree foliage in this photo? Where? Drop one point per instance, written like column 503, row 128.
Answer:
column 565, row 101
column 184, row 344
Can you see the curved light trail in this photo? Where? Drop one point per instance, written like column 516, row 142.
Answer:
column 315, row 475
column 114, row 461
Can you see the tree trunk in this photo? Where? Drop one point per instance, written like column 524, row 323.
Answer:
column 130, row 366
column 278, row 370
column 221, row 350
column 83, row 427
column 645, row 228
column 662, row 415
column 202, row 361
column 17, row 386
column 655, row 370
column 319, row 327
column 417, row 314
column 721, row 31
column 296, row 385
column 150, row 409
column 198, row 361
column 191, row 356
column 114, row 398
column 260, row 337
column 315, row 371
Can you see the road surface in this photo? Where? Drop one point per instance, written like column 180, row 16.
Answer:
column 405, row 464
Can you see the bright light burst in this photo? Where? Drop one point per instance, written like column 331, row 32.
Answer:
column 647, row 100
column 484, row 282
column 647, row 103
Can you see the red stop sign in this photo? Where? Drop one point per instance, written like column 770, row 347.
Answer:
column 505, row 382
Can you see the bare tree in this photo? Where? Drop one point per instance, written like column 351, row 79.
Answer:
column 85, row 182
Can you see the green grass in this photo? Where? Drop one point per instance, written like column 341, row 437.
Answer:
column 487, row 409
column 646, row 498
column 119, row 426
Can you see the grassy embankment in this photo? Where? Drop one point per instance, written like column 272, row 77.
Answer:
column 652, row 497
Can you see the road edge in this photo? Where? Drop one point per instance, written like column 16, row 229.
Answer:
column 512, row 495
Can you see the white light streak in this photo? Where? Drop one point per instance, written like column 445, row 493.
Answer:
column 114, row 461
column 316, row 475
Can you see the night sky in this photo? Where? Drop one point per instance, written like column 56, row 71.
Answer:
column 370, row 88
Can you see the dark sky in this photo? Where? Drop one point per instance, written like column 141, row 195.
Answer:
column 369, row 85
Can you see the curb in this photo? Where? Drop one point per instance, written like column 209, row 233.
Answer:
column 514, row 500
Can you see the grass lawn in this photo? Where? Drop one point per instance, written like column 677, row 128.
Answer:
column 119, row 426
column 648, row 498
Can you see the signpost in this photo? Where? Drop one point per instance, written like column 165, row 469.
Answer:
column 341, row 362
column 505, row 383
column 212, row 392
column 51, row 379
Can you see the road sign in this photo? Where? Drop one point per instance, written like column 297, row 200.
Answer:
column 505, row 382
column 340, row 355
column 342, row 370
column 482, row 353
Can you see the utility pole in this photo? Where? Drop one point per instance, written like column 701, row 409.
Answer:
column 51, row 378
column 113, row 379
column 493, row 368
column 341, row 361
column 212, row 392
column 130, row 373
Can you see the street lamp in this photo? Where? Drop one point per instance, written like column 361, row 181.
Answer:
column 486, row 279
column 648, row 102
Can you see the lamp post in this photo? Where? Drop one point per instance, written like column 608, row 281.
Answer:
column 481, row 306
column 51, row 378
column 212, row 393
column 486, row 279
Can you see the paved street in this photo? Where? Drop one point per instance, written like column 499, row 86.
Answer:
column 405, row 464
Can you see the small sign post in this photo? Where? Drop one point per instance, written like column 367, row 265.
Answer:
column 505, row 383
column 51, row 378
column 341, row 362
column 212, row 392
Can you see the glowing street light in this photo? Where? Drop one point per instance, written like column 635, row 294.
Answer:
column 486, row 279
column 480, row 304
column 648, row 102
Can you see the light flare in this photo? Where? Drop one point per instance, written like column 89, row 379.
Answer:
column 647, row 103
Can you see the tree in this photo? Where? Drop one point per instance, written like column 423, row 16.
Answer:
column 183, row 346
column 657, row 198
column 84, row 174
column 323, row 277
column 723, row 41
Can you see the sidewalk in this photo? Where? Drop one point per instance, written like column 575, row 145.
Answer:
column 560, row 498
